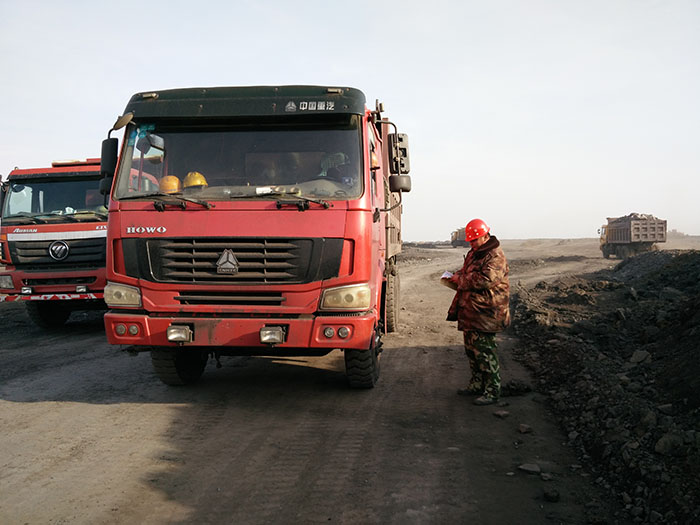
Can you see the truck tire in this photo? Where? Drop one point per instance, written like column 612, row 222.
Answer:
column 623, row 252
column 47, row 315
column 393, row 294
column 177, row 367
column 606, row 251
column 362, row 366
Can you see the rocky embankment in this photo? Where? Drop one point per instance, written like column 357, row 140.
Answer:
column 617, row 355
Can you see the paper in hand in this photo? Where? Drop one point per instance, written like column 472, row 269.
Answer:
column 445, row 280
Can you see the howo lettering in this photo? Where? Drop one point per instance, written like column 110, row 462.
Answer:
column 253, row 221
column 146, row 229
column 57, row 265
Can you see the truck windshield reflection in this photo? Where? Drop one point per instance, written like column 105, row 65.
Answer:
column 318, row 163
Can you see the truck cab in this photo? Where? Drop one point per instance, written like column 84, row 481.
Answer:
column 253, row 221
column 52, row 240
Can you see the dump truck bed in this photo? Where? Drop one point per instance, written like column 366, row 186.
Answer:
column 627, row 230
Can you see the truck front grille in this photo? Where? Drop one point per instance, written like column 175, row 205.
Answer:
column 234, row 261
column 82, row 254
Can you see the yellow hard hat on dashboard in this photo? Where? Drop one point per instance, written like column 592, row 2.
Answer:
column 194, row 178
column 169, row 184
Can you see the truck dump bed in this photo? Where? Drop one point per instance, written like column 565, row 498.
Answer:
column 636, row 228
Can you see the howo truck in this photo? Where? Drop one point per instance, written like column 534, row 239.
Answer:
column 53, row 232
column 253, row 221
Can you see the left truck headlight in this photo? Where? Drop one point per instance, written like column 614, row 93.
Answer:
column 6, row 281
column 122, row 295
column 355, row 297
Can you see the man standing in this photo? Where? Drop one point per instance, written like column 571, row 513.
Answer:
column 481, row 309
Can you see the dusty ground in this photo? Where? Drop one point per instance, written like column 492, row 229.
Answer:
column 89, row 435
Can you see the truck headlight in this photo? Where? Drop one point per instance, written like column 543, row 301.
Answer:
column 355, row 297
column 122, row 295
column 6, row 281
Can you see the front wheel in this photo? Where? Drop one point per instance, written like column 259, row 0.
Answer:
column 47, row 315
column 177, row 366
column 362, row 366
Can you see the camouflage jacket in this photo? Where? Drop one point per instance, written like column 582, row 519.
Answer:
column 483, row 291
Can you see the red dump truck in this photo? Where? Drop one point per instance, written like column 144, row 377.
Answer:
column 254, row 221
column 630, row 235
column 52, row 240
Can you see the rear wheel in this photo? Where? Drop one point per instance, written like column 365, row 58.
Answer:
column 47, row 315
column 177, row 366
column 362, row 366
column 393, row 291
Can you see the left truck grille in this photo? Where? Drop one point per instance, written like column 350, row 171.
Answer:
column 81, row 253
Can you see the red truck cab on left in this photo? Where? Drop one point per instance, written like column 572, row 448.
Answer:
column 53, row 231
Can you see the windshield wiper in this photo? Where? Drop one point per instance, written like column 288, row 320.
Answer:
column 31, row 218
column 59, row 215
column 161, row 203
column 101, row 216
column 302, row 202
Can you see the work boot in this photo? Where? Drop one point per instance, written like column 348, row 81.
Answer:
column 485, row 400
column 471, row 390
column 474, row 388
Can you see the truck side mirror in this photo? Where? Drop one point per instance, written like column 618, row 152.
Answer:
column 399, row 183
column 108, row 163
column 398, row 153
column 106, row 185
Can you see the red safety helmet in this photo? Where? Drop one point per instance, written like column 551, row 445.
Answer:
column 475, row 228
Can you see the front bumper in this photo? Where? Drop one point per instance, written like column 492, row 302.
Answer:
column 301, row 334
column 54, row 286
column 51, row 296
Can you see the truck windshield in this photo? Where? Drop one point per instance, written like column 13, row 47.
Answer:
column 244, row 162
column 66, row 199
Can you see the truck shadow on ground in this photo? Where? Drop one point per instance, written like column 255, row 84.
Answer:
column 98, row 373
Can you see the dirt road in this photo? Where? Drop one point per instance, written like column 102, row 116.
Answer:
column 89, row 435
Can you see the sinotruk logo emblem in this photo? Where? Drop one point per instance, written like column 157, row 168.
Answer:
column 58, row 250
column 227, row 263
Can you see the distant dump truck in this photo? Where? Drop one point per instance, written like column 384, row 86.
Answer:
column 632, row 234
column 458, row 238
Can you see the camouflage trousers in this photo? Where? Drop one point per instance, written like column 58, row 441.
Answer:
column 480, row 348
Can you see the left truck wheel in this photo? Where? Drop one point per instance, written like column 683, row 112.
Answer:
column 362, row 366
column 177, row 366
column 47, row 315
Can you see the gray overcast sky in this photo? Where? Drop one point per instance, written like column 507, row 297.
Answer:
column 541, row 117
